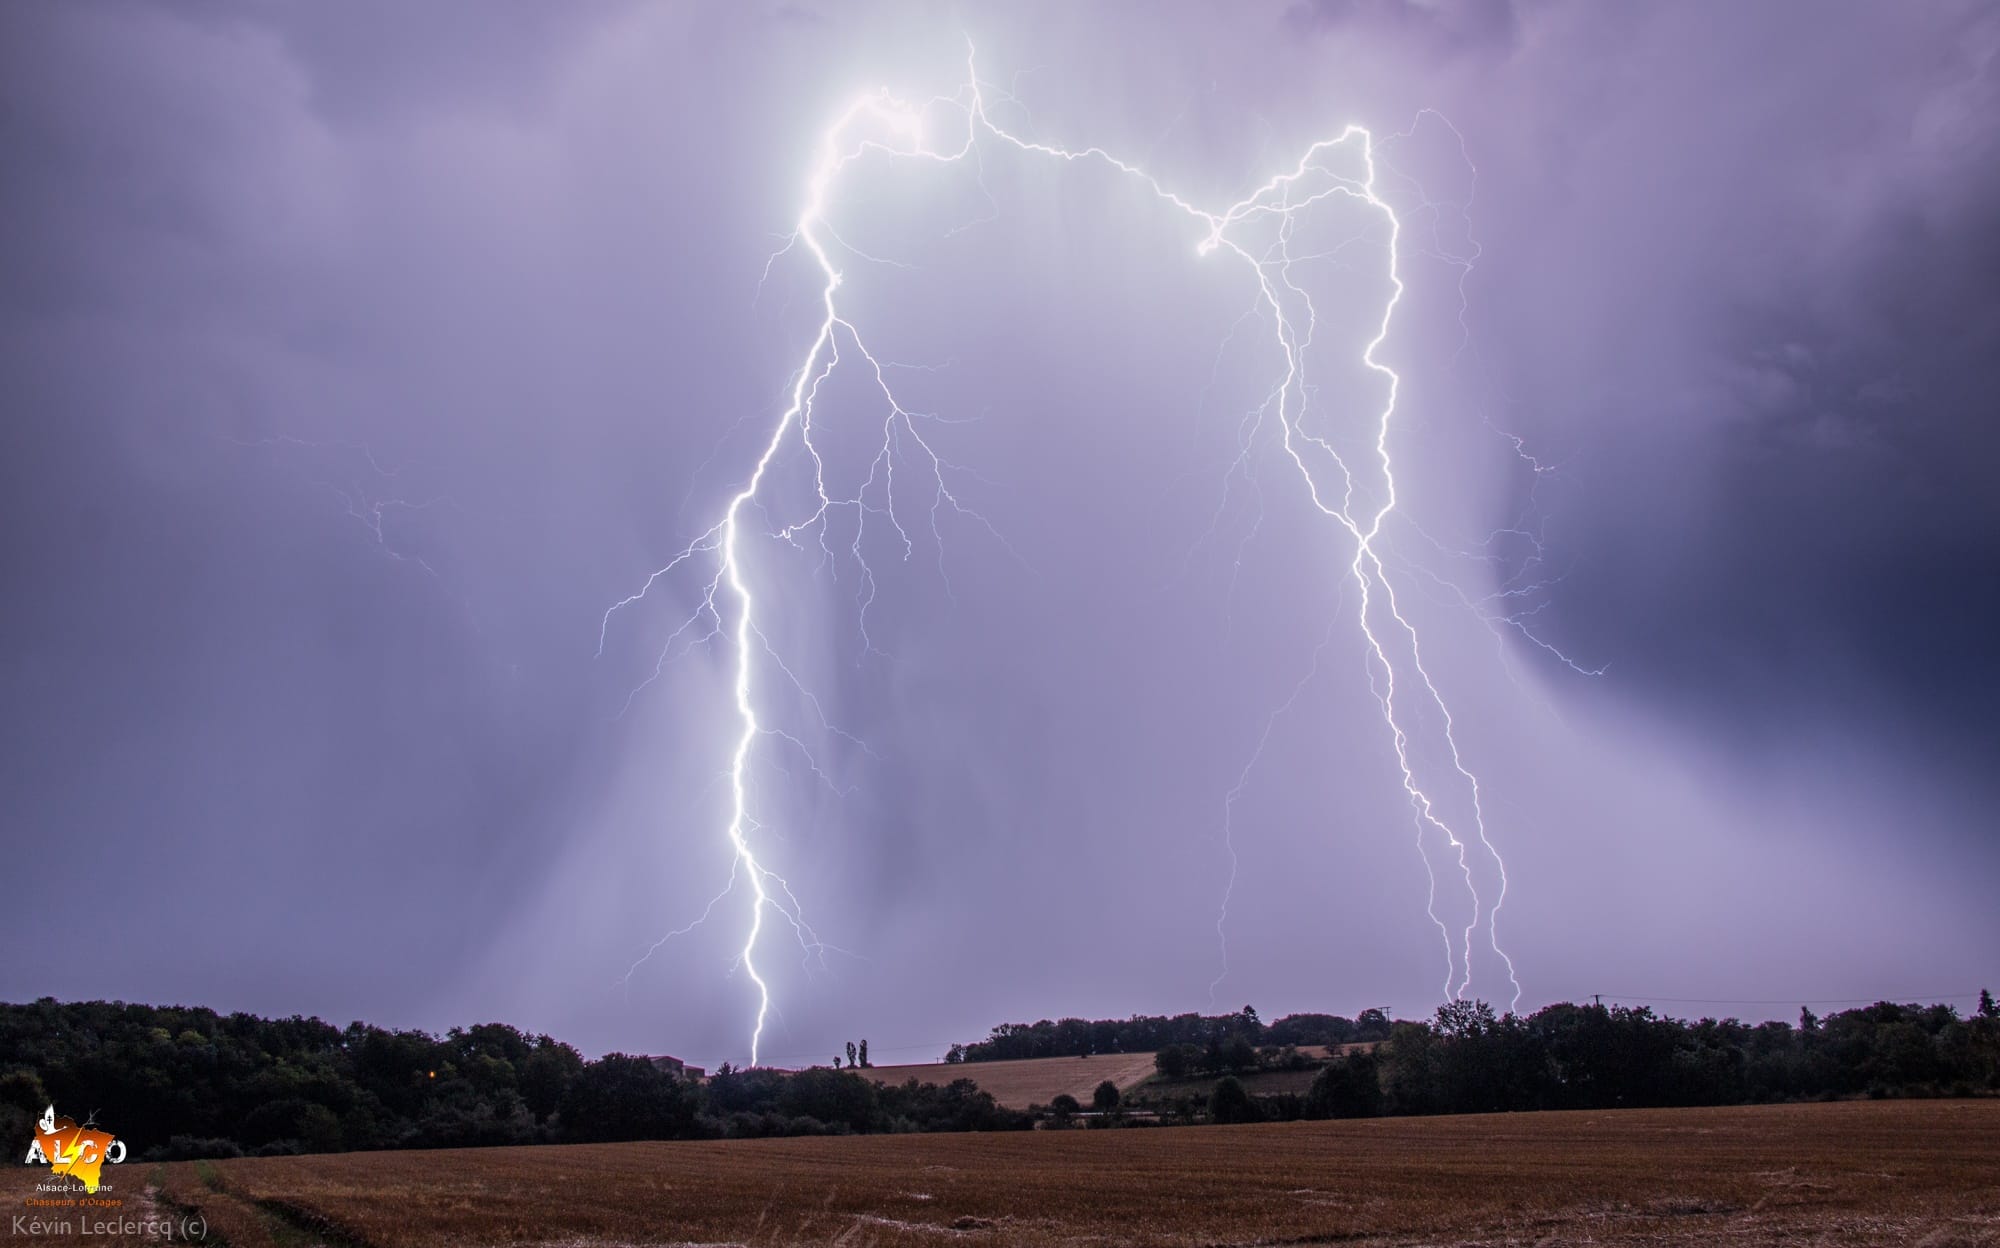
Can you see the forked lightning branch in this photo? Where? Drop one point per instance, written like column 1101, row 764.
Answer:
column 1356, row 493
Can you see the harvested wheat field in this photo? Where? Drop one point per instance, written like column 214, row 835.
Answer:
column 1030, row 1080
column 1855, row 1173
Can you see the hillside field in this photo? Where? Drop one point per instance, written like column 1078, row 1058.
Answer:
column 1029, row 1081
column 1033, row 1080
column 1850, row 1173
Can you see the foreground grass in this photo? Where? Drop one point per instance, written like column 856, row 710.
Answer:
column 1913, row 1172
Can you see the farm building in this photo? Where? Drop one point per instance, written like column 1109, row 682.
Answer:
column 678, row 1068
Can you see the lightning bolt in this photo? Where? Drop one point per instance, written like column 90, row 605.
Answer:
column 884, row 125
column 1234, row 795
column 361, row 501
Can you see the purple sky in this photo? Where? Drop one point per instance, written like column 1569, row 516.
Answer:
column 358, row 357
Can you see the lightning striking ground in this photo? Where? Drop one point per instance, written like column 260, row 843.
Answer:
column 1356, row 498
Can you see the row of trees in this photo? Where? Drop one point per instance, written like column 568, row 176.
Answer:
column 191, row 1082
column 1150, row 1033
column 1468, row 1059
column 1234, row 1055
column 1348, row 1087
column 1104, row 1100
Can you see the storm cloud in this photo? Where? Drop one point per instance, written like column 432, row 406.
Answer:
column 358, row 358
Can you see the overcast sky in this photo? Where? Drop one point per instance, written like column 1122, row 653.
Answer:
column 357, row 358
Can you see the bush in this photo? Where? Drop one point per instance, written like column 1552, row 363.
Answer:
column 1176, row 1060
column 21, row 1100
column 1230, row 1103
column 831, row 1096
column 460, row 1120
column 742, row 1126
column 1286, row 1058
column 1105, row 1098
column 1348, row 1088
column 625, row 1098
column 1239, row 1054
column 957, row 1106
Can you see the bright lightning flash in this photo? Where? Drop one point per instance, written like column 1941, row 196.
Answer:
column 885, row 126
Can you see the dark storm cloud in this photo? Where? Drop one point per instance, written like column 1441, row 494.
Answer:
column 1803, row 336
column 1771, row 380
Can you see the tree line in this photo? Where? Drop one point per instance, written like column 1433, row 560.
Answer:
column 187, row 1082
column 177, row 1082
column 1150, row 1033
column 1468, row 1059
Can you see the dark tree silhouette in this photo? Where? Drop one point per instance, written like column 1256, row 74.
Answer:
column 1229, row 1103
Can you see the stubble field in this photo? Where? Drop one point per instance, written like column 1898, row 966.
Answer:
column 1032, row 1080
column 1022, row 1082
column 1925, row 1173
